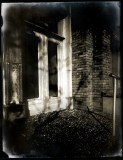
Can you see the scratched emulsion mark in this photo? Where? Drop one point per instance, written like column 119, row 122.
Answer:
column 14, row 84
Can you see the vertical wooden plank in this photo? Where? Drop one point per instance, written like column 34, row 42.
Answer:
column 114, row 107
column 20, row 84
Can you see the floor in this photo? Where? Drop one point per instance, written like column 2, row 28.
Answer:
column 66, row 133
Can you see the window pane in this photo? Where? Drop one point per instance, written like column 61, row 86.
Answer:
column 31, row 67
column 52, row 63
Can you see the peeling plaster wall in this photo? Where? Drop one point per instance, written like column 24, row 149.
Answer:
column 12, row 51
column 19, row 86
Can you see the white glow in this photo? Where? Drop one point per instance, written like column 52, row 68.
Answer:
column 14, row 87
column 4, row 8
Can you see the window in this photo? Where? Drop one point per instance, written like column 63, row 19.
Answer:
column 31, row 67
column 52, row 67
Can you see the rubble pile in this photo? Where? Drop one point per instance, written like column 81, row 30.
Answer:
column 65, row 133
column 71, row 133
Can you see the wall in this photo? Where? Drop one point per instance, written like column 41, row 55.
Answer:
column 21, row 82
column 108, row 105
column 12, row 57
column 13, row 46
column 82, row 54
column 91, row 61
column 91, row 65
column 102, row 67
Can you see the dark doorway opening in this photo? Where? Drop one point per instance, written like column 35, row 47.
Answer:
column 31, row 67
column 53, row 72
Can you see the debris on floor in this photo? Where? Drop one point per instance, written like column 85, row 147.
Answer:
column 67, row 133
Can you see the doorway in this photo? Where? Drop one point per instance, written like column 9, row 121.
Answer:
column 30, row 69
